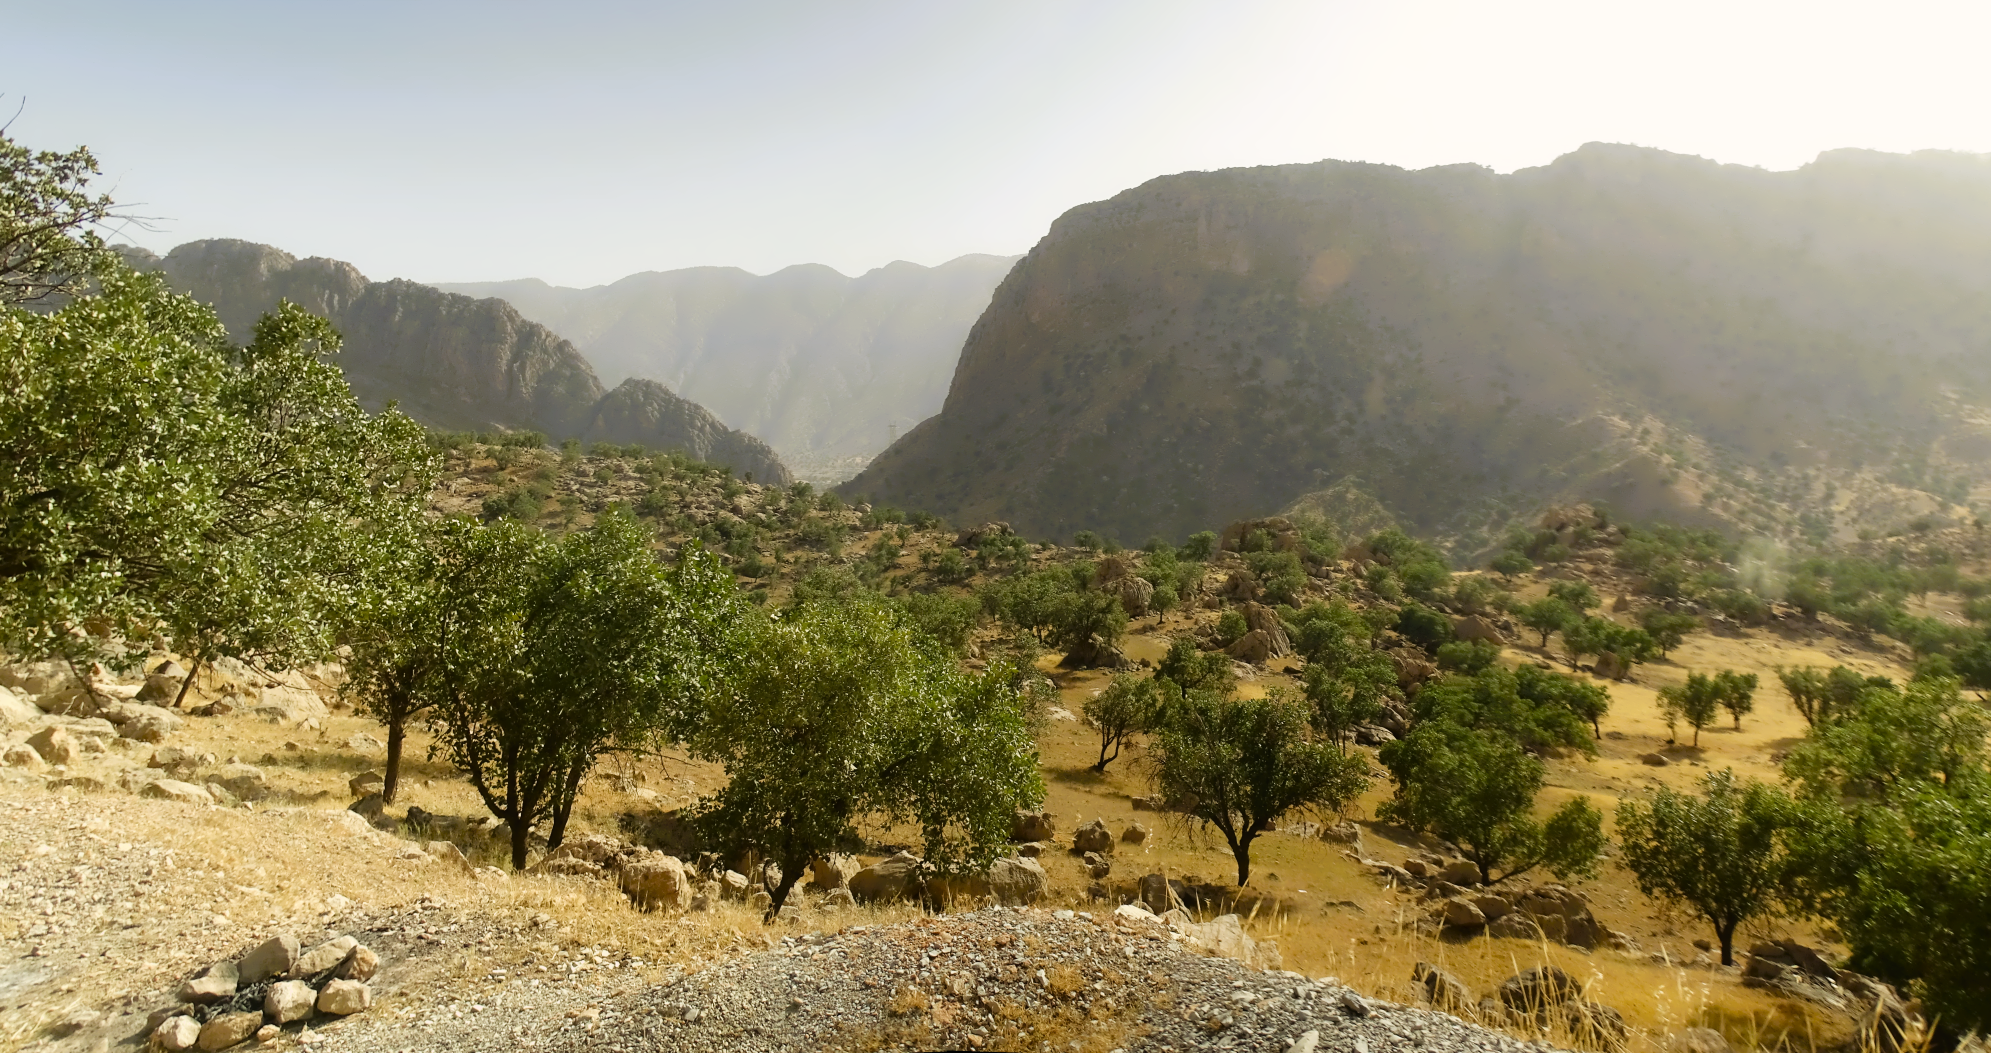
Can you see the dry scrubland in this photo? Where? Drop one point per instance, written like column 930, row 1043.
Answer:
column 115, row 900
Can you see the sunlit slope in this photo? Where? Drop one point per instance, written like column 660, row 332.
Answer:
column 1789, row 352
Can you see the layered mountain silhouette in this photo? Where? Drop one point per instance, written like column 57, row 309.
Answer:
column 1801, row 352
column 452, row 361
column 820, row 365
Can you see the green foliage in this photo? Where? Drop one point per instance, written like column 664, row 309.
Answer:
column 1470, row 657
column 840, row 714
column 577, row 646
column 1542, row 687
column 1200, row 546
column 1192, row 669
column 1127, row 705
column 1416, row 565
column 1476, row 789
column 1088, row 541
column 1888, row 739
column 1546, row 616
column 1667, row 628
column 1423, row 626
column 1231, row 627
column 1822, row 696
column 1478, row 595
column 156, row 476
column 1510, row 563
column 49, row 245
column 1249, row 761
column 1279, row 574
column 1697, row 701
column 1579, row 595
column 951, row 567
column 1542, row 717
column 947, row 619
column 1721, row 852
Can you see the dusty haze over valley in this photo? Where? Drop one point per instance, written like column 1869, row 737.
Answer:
column 1112, row 528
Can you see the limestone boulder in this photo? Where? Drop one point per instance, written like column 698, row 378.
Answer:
column 1460, row 872
column 1134, row 834
column 1093, row 837
column 54, row 745
column 273, row 958
column 176, row 1033
column 216, row 983
column 160, row 688
column 1134, row 594
column 344, row 997
column 1017, row 881
column 152, row 725
column 360, row 965
column 366, row 783
column 244, row 782
column 1252, row 648
column 1159, row 894
column 16, row 710
column 1538, row 989
column 175, row 790
column 227, row 1030
column 289, row 1001
column 657, row 881
column 887, row 880
column 22, row 755
column 1440, row 988
column 1474, row 627
column 321, row 958
column 1033, row 826
column 832, row 871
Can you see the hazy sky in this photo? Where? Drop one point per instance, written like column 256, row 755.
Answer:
column 579, row 142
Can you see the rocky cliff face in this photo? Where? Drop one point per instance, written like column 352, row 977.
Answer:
column 452, row 361
column 819, row 364
column 1670, row 335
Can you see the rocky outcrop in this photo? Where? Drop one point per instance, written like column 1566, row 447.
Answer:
column 451, row 361
column 1215, row 345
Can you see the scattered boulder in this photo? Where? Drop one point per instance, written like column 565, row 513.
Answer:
column 359, row 965
column 1460, row 872
column 1097, row 866
column 1459, row 913
column 1017, row 881
column 289, row 1001
column 367, row 783
column 371, row 808
column 1252, row 648
column 1033, row 826
column 1494, row 907
column 1133, row 593
column 176, row 1033
column 16, row 710
column 1092, row 837
column 216, row 983
column 243, row 781
column 1134, row 834
column 153, row 725
column 228, row 1029
column 839, row 899
column 1225, row 937
column 325, row 956
column 175, row 790
column 54, row 745
column 886, row 880
column 1538, row 989
column 1159, row 894
column 1442, row 989
column 160, row 688
column 1474, row 627
column 1656, row 760
column 344, row 997
column 1611, row 667
column 657, row 880
column 274, row 958
column 22, row 755
column 364, row 743
column 833, row 870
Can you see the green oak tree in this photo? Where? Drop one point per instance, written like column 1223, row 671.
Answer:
column 1721, row 852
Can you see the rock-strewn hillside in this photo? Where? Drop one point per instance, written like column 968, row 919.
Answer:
column 452, row 361
column 819, row 364
column 1789, row 352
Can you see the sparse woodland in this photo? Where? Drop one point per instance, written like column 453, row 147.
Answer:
column 854, row 680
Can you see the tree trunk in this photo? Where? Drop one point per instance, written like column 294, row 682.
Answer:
column 397, row 733
column 521, row 841
column 1726, row 931
column 564, row 806
column 192, row 671
column 1104, row 760
column 1243, row 853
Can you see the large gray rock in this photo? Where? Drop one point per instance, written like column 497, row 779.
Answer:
column 1093, row 837
column 832, row 871
column 245, row 782
column 22, row 755
column 1033, row 826
column 176, row 1034
column 1442, row 989
column 344, row 997
column 323, row 957
column 1017, row 881
column 1538, row 990
column 886, row 880
column 217, row 983
column 152, row 725
column 161, row 688
column 657, row 881
column 15, row 710
column 1459, row 913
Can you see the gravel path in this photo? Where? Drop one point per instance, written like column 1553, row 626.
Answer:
column 105, row 927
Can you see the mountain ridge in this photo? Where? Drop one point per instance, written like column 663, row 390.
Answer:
column 820, row 364
column 452, row 361
column 1678, row 337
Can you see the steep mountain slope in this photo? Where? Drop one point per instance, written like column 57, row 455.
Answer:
column 818, row 364
column 1791, row 352
column 452, row 361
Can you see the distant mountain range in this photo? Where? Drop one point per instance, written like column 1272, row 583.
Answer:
column 451, row 361
column 1803, row 353
column 820, row 365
